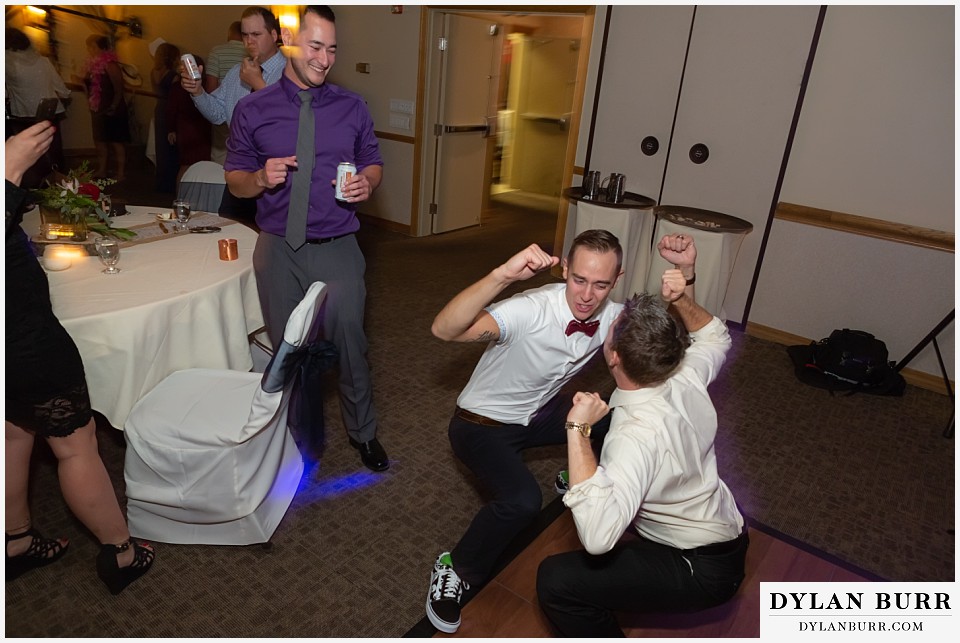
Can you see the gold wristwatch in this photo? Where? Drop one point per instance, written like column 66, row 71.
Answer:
column 582, row 427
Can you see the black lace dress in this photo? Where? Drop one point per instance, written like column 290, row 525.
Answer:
column 45, row 387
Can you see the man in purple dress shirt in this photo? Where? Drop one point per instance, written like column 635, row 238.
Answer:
column 261, row 162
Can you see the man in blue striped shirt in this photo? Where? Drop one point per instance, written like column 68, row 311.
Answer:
column 263, row 66
column 260, row 31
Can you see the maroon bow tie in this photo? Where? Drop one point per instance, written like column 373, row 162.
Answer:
column 587, row 328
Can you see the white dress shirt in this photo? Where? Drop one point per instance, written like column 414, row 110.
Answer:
column 658, row 468
column 534, row 357
column 218, row 105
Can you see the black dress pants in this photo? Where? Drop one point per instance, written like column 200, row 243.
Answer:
column 579, row 592
column 494, row 455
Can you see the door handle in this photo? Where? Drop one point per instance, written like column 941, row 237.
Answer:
column 464, row 129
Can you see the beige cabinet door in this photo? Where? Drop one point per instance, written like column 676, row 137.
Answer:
column 743, row 76
column 639, row 85
column 725, row 77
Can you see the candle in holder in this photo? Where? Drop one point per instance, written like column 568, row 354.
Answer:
column 57, row 257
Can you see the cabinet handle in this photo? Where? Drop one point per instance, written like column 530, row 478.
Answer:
column 649, row 145
column 699, row 153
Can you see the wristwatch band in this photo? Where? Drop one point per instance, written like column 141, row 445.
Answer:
column 581, row 427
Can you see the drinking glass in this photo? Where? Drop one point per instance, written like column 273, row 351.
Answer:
column 106, row 204
column 109, row 251
column 182, row 210
column 591, row 184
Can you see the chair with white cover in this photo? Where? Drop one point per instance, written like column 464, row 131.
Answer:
column 210, row 459
column 202, row 185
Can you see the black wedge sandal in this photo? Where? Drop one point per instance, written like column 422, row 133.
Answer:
column 116, row 578
column 42, row 551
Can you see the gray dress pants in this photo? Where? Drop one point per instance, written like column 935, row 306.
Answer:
column 283, row 277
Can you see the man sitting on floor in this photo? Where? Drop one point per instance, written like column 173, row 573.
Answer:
column 537, row 341
column 657, row 471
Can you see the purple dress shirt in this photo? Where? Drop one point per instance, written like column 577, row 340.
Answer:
column 264, row 126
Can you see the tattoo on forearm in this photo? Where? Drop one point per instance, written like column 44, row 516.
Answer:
column 484, row 337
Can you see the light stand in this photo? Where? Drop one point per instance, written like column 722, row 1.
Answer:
column 932, row 337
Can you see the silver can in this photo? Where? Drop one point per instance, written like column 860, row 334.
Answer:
column 345, row 172
column 190, row 64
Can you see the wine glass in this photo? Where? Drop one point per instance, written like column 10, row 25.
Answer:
column 181, row 209
column 109, row 251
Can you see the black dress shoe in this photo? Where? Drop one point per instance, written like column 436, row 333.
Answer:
column 372, row 454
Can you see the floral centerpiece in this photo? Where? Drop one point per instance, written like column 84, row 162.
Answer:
column 73, row 199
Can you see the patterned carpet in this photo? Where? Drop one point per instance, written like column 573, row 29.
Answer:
column 867, row 479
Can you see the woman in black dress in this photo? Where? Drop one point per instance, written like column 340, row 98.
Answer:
column 108, row 108
column 46, row 395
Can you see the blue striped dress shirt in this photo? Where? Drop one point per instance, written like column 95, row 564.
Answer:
column 217, row 107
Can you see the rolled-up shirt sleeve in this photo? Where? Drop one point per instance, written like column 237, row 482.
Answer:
column 367, row 146
column 605, row 505
column 242, row 152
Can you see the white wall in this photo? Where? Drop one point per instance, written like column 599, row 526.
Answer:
column 390, row 43
column 876, row 139
column 876, row 133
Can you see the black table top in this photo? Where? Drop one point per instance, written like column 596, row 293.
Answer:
column 702, row 219
column 631, row 200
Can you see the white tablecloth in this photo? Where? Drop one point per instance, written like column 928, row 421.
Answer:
column 716, row 255
column 174, row 305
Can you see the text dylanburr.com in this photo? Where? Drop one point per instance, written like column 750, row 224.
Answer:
column 865, row 611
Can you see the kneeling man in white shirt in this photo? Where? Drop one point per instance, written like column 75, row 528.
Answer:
column 657, row 472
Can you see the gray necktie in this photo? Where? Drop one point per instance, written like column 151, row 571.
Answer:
column 300, row 180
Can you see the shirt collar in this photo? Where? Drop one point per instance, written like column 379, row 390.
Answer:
column 621, row 397
column 291, row 90
column 274, row 64
column 565, row 315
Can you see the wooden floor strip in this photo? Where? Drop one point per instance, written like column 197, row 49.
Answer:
column 507, row 606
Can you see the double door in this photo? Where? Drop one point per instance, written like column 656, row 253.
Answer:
column 696, row 106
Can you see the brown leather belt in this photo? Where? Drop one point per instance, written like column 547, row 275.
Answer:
column 475, row 418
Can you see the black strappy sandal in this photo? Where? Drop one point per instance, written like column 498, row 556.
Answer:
column 116, row 578
column 42, row 551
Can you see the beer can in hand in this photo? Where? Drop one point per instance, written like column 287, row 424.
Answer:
column 190, row 64
column 345, row 171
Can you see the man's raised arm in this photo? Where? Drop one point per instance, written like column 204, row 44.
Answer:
column 677, row 284
column 464, row 319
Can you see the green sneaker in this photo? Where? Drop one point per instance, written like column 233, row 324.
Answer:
column 562, row 483
column 445, row 594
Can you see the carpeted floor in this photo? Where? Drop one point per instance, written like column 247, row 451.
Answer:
column 867, row 479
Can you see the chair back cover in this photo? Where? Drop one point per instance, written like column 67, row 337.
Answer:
column 202, row 185
column 204, row 172
column 279, row 375
column 296, row 334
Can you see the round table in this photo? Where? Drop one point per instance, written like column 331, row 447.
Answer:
column 174, row 305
